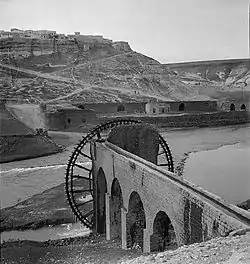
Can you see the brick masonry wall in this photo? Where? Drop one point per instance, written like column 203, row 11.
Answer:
column 138, row 139
column 195, row 218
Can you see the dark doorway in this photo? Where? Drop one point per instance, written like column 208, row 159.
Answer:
column 69, row 120
column 100, row 202
column 115, row 209
column 163, row 236
column 81, row 106
column 136, row 222
column 120, row 108
column 232, row 107
column 243, row 107
column 181, row 107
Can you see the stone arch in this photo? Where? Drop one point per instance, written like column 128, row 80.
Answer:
column 243, row 107
column 182, row 107
column 135, row 221
column 121, row 108
column 100, row 202
column 163, row 236
column 116, row 204
column 232, row 107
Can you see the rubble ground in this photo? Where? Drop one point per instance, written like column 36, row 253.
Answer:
column 96, row 250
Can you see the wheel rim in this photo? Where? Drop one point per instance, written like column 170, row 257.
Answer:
column 79, row 181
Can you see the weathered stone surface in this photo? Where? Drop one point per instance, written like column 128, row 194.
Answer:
column 195, row 214
column 139, row 139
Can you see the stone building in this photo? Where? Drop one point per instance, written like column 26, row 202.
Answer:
column 234, row 105
column 111, row 108
column 155, row 107
column 121, row 46
column 68, row 117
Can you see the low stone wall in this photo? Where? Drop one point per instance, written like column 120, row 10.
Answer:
column 195, row 120
column 26, row 146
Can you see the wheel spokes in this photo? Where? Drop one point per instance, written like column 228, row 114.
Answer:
column 79, row 182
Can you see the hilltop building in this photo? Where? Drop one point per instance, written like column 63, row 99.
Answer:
column 51, row 34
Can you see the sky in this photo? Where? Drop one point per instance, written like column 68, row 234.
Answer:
column 166, row 30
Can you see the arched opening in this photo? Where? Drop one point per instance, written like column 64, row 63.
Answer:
column 81, row 106
column 120, row 108
column 215, row 229
column 163, row 236
column 243, row 107
column 136, row 222
column 69, row 120
column 100, row 202
column 181, row 107
column 232, row 107
column 115, row 209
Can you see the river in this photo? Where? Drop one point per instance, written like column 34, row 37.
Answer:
column 215, row 153
column 218, row 161
column 224, row 171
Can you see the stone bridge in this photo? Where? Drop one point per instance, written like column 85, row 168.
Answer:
column 151, row 208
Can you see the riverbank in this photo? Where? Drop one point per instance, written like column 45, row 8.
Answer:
column 96, row 250
column 198, row 119
column 21, row 147
column 50, row 207
column 171, row 120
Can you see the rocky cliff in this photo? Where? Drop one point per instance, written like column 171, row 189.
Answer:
column 110, row 72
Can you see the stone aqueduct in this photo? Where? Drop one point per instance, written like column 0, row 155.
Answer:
column 150, row 207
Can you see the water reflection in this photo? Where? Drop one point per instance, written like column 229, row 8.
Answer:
column 224, row 171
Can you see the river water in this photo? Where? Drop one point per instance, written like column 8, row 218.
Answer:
column 218, row 161
column 224, row 171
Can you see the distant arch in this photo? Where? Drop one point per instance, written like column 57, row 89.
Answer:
column 243, row 107
column 232, row 107
column 163, row 236
column 136, row 221
column 181, row 107
column 81, row 106
column 121, row 108
column 116, row 204
column 100, row 202
column 69, row 120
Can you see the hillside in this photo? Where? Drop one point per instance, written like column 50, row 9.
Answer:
column 106, row 72
column 217, row 79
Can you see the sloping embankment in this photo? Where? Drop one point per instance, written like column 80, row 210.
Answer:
column 10, row 125
column 26, row 146
column 29, row 114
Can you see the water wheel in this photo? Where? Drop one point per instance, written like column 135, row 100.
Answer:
column 78, row 180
